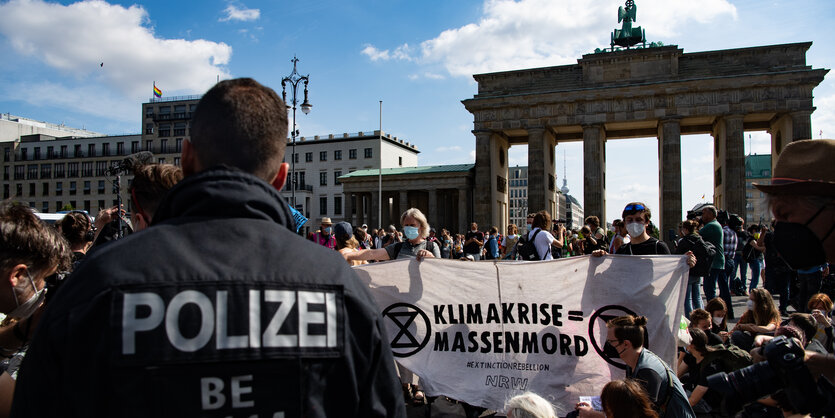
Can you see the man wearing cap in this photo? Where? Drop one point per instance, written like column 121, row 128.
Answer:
column 324, row 236
column 218, row 309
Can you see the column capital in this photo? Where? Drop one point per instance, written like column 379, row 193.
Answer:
column 802, row 113
column 478, row 132
column 732, row 117
column 670, row 119
column 594, row 126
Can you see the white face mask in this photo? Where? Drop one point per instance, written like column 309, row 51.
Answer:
column 635, row 229
column 718, row 320
column 26, row 309
column 750, row 304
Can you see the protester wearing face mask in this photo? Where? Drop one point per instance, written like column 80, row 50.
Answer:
column 762, row 317
column 718, row 313
column 30, row 252
column 625, row 340
column 636, row 217
column 473, row 241
column 415, row 230
column 325, row 235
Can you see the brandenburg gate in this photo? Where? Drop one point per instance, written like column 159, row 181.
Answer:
column 636, row 93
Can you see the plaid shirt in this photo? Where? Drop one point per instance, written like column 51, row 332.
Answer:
column 729, row 241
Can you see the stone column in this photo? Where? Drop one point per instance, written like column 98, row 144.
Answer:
column 484, row 184
column 669, row 176
column 541, row 189
column 403, row 202
column 735, row 165
column 360, row 208
column 801, row 125
column 594, row 171
column 349, row 208
column 463, row 210
column 374, row 205
column 433, row 207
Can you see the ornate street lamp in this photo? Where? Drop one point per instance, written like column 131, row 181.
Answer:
column 294, row 79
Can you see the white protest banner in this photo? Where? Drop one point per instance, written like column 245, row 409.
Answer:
column 482, row 332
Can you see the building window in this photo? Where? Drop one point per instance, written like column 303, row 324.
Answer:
column 31, row 189
column 323, row 178
column 45, row 207
column 163, row 146
column 63, row 152
column 59, row 170
column 296, row 157
column 323, row 156
column 337, row 205
column 86, row 186
column 5, row 191
column 177, row 161
column 368, row 153
column 24, row 154
column 337, row 155
column 120, row 148
column 336, row 175
column 165, row 110
column 101, row 168
column 308, row 157
column 19, row 172
column 7, row 153
column 179, row 144
column 149, row 145
column 87, row 169
column 50, row 152
column 91, row 150
column 352, row 154
column 164, row 129
column 32, row 172
column 149, row 129
column 57, row 205
column 101, row 204
column 400, row 161
column 301, row 183
column 149, row 111
column 59, row 188
column 45, row 189
column 5, row 172
column 161, row 161
column 105, row 150
column 46, row 171
column 77, row 151
column 180, row 127
column 101, row 187
column 37, row 153
column 19, row 190
column 134, row 147
column 323, row 205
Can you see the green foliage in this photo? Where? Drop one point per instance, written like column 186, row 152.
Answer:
column 67, row 207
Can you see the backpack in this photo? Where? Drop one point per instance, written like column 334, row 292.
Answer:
column 704, row 252
column 430, row 246
column 729, row 358
column 526, row 249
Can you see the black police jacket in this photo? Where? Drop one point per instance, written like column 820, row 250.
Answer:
column 218, row 309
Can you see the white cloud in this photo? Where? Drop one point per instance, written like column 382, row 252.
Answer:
column 515, row 34
column 448, row 149
column 72, row 99
column 240, row 14
column 76, row 39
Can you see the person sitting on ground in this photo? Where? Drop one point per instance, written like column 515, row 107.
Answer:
column 150, row 184
column 803, row 323
column 762, row 317
column 718, row 316
column 626, row 398
column 703, row 360
column 701, row 319
column 416, row 229
column 625, row 340
column 529, row 405
column 345, row 241
column 821, row 308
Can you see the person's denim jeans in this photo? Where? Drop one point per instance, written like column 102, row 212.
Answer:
column 756, row 266
column 717, row 277
column 693, row 297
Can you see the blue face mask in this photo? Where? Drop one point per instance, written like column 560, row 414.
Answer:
column 328, row 230
column 410, row 232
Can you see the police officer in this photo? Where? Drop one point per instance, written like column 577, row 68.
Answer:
column 219, row 308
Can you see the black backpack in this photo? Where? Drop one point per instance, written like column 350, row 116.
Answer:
column 704, row 252
column 526, row 249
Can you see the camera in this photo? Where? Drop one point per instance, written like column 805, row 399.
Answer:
column 694, row 214
column 783, row 371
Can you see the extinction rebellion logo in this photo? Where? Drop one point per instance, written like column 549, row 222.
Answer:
column 410, row 326
column 598, row 322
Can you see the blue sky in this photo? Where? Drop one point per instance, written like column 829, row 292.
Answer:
column 417, row 57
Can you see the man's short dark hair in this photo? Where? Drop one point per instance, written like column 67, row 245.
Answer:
column 633, row 208
column 629, row 328
column 150, row 184
column 24, row 239
column 243, row 124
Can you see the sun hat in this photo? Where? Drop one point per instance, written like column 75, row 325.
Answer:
column 804, row 168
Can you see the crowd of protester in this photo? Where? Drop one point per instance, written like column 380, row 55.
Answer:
column 59, row 280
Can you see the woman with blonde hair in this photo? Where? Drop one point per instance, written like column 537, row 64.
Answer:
column 761, row 317
column 529, row 405
column 415, row 245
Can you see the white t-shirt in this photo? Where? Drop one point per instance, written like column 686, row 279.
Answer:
column 543, row 243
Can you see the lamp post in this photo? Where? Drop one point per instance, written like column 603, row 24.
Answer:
column 294, row 79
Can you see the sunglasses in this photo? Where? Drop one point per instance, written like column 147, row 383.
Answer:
column 635, row 207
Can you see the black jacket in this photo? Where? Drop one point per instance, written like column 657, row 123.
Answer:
column 695, row 243
column 216, row 310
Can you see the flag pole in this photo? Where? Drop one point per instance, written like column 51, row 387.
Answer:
column 380, row 173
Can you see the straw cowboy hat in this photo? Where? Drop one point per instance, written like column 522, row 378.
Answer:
column 326, row 221
column 804, row 168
